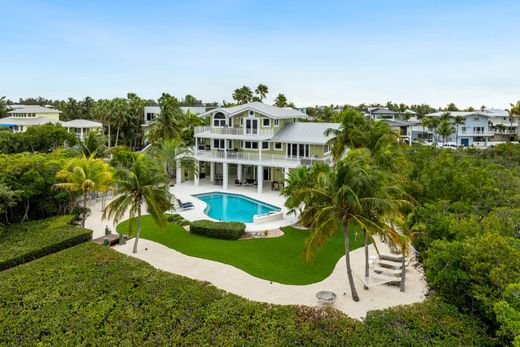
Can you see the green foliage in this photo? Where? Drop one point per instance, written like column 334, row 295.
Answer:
column 101, row 297
column 42, row 138
column 432, row 322
column 33, row 176
column 177, row 219
column 508, row 314
column 21, row 243
column 218, row 230
column 473, row 273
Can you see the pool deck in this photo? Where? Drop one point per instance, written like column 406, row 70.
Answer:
column 185, row 191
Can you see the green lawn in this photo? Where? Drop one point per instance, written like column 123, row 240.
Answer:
column 276, row 259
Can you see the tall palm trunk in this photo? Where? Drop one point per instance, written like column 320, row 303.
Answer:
column 117, row 136
column 346, row 233
column 138, row 228
column 367, row 273
column 403, row 272
column 109, row 137
column 84, row 209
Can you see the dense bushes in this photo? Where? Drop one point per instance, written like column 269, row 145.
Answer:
column 31, row 177
column 24, row 242
column 101, row 297
column 470, row 205
column 218, row 230
column 42, row 138
column 177, row 219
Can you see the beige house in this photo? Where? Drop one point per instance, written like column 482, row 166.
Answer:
column 257, row 144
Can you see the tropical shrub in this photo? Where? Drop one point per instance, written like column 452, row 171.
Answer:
column 218, row 230
column 177, row 219
column 89, row 294
column 21, row 243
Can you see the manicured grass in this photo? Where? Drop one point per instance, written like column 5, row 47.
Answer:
column 275, row 259
column 90, row 295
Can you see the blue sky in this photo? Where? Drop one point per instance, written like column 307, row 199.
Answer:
column 316, row 52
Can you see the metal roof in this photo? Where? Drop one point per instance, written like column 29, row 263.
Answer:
column 32, row 109
column 81, row 123
column 304, row 132
column 265, row 109
column 27, row 121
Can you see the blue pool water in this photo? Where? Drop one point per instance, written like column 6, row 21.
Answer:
column 233, row 207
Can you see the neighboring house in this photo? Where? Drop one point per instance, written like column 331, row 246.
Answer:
column 257, row 143
column 81, row 127
column 503, row 127
column 403, row 128
column 25, row 116
column 378, row 113
column 474, row 132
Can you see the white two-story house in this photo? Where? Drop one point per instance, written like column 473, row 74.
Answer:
column 474, row 132
column 257, row 144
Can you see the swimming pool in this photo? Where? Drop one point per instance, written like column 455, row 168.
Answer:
column 228, row 207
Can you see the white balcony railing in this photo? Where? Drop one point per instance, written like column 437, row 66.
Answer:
column 260, row 132
column 256, row 157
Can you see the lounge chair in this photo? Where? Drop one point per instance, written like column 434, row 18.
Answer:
column 249, row 182
column 238, row 182
column 185, row 205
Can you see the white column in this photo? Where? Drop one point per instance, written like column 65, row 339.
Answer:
column 225, row 176
column 260, row 178
column 285, row 176
column 239, row 172
column 225, row 148
column 196, row 176
column 81, row 133
column 212, row 171
column 178, row 174
column 196, row 144
column 259, row 150
column 298, row 151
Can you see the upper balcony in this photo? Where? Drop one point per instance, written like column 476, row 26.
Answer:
column 484, row 132
column 233, row 133
column 257, row 158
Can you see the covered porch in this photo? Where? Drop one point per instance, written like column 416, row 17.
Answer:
column 224, row 175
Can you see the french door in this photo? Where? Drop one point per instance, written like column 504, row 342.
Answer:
column 251, row 126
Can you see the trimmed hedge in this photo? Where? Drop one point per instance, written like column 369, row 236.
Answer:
column 21, row 243
column 218, row 230
column 177, row 219
column 92, row 295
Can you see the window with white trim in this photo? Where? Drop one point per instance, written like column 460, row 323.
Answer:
column 217, row 143
column 219, row 120
column 266, row 122
column 278, row 146
column 276, row 122
column 249, row 144
column 241, row 121
column 327, row 148
column 265, row 145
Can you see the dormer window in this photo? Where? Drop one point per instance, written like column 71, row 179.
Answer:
column 219, row 120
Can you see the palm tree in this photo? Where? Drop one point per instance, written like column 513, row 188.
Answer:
column 458, row 120
column 342, row 198
column 425, row 122
column 433, row 124
column 349, row 134
column 167, row 124
column 261, row 91
column 445, row 129
column 280, row 101
column 93, row 144
column 407, row 231
column 243, row 95
column 172, row 153
column 85, row 175
column 514, row 112
column 103, row 112
column 119, row 108
column 142, row 183
column 136, row 110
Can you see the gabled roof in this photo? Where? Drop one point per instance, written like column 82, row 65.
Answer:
column 400, row 122
column 27, row 121
column 304, row 132
column 380, row 110
column 32, row 109
column 460, row 113
column 81, row 123
column 265, row 109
